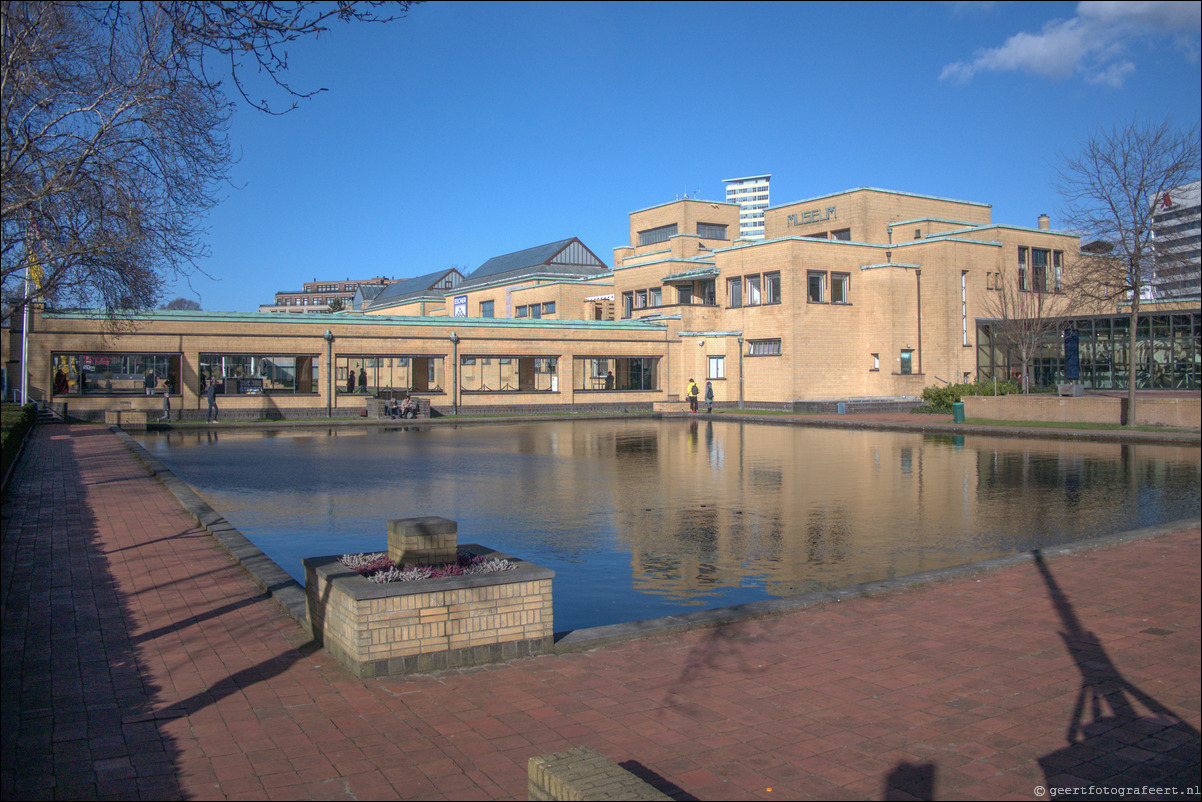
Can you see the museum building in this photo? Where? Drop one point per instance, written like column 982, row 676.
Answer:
column 864, row 294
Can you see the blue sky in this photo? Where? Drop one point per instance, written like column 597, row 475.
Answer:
column 469, row 130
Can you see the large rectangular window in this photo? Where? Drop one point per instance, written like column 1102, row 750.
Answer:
column 734, row 291
column 816, row 287
column 486, row 309
column 1022, row 270
column 772, row 288
column 627, row 304
column 654, row 235
column 508, row 374
column 716, row 368
column 753, row 290
column 387, row 374
column 257, row 374
column 840, row 283
column 1039, row 269
column 711, row 231
column 616, row 373
column 115, row 374
column 657, row 296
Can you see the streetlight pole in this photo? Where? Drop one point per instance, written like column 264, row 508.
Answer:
column 455, row 373
column 329, row 338
column 740, row 373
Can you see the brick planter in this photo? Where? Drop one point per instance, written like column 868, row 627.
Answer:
column 377, row 629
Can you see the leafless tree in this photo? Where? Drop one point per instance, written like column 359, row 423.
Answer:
column 1110, row 191
column 114, row 128
column 1025, row 310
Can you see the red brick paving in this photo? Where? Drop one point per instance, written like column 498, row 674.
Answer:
column 140, row 663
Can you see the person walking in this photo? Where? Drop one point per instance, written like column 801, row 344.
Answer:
column 211, row 395
column 709, row 397
column 692, row 392
column 166, row 403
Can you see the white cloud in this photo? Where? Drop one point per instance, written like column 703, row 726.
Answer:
column 1092, row 44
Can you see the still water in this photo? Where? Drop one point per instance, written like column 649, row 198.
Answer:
column 645, row 518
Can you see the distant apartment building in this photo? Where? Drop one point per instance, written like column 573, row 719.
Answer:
column 316, row 296
column 1178, row 238
column 751, row 194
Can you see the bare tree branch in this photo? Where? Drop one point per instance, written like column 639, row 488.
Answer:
column 114, row 134
column 1110, row 191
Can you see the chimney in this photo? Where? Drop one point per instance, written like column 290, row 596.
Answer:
column 1045, row 223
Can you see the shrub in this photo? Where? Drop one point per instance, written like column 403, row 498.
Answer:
column 15, row 421
column 939, row 398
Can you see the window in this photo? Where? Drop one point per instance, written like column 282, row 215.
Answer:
column 486, row 308
column 753, row 290
column 616, row 373
column 654, row 235
column 627, row 304
column 906, row 362
column 549, row 308
column 1039, row 269
column 657, row 296
column 519, row 312
column 763, row 347
column 843, row 234
column 373, row 374
column 717, row 367
column 918, row 233
column 772, row 288
column 1022, row 270
column 247, row 374
column 734, row 291
column 876, row 362
column 115, row 374
column 536, row 311
column 839, row 286
column 1057, row 266
column 816, row 287
column 640, row 299
column 509, row 374
column 684, row 294
column 711, row 231
column 964, row 306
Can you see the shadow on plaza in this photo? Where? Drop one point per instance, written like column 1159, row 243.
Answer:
column 1118, row 736
column 1109, row 741
column 78, row 712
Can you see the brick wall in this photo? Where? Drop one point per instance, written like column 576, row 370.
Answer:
column 408, row 627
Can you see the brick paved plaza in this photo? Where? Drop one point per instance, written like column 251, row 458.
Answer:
column 140, row 663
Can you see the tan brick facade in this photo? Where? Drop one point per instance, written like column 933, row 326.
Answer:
column 882, row 313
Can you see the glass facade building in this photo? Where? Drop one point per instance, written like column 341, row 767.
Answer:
column 1168, row 352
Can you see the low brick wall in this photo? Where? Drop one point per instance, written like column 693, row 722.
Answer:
column 583, row 774
column 1086, row 409
column 1183, row 413
column 377, row 629
column 131, row 420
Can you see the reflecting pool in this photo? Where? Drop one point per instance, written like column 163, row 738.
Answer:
column 643, row 518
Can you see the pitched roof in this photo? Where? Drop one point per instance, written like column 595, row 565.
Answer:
column 567, row 258
column 412, row 288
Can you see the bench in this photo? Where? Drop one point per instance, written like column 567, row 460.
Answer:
column 583, row 773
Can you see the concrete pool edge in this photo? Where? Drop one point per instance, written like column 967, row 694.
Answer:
column 290, row 594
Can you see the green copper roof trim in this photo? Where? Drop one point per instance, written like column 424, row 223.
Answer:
column 325, row 321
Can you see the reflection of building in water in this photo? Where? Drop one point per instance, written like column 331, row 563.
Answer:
column 791, row 513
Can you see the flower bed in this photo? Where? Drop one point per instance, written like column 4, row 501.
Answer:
column 379, row 567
